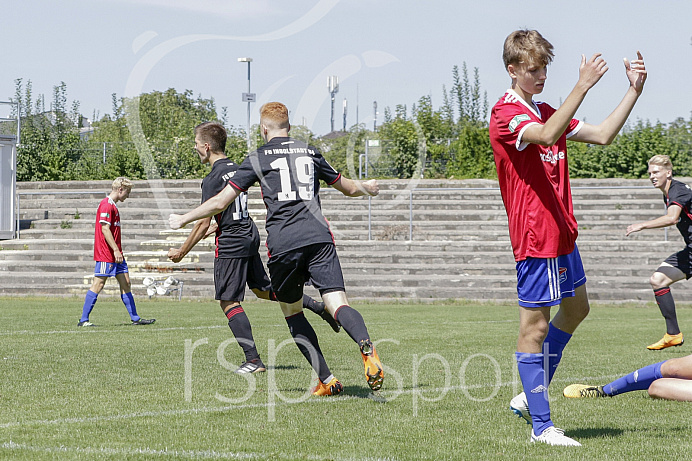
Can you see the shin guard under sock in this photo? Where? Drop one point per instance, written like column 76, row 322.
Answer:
column 306, row 340
column 352, row 322
column 239, row 323
column 533, row 378
column 664, row 299
column 635, row 381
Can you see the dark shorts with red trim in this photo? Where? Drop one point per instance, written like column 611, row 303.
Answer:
column 318, row 263
column 231, row 275
column 682, row 260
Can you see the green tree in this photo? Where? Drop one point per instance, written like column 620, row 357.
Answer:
column 49, row 139
column 679, row 133
column 407, row 143
column 152, row 135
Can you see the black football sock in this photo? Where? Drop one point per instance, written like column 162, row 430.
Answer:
column 307, row 343
column 239, row 324
column 351, row 321
column 664, row 299
column 312, row 305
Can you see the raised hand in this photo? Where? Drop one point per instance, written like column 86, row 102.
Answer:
column 591, row 70
column 636, row 72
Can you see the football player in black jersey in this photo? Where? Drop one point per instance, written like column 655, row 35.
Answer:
column 237, row 260
column 678, row 199
column 301, row 245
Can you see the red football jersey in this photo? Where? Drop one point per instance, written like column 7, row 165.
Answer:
column 534, row 180
column 107, row 213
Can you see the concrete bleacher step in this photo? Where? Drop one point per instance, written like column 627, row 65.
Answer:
column 460, row 246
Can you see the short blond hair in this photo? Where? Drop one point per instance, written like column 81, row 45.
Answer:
column 121, row 182
column 661, row 160
column 274, row 115
column 527, row 46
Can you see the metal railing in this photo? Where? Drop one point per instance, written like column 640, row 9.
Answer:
column 496, row 189
column 410, row 200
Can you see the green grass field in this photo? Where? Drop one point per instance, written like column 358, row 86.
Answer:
column 165, row 391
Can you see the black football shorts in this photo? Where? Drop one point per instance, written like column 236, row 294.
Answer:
column 682, row 260
column 318, row 263
column 231, row 275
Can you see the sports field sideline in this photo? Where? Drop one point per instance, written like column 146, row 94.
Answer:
column 166, row 391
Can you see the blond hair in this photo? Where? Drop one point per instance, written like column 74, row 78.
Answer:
column 274, row 115
column 527, row 46
column 661, row 160
column 121, row 182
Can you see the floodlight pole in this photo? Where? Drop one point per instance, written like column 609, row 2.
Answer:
column 248, row 97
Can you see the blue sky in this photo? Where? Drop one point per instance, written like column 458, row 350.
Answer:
column 392, row 52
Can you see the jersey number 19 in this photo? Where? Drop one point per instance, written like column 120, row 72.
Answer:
column 305, row 176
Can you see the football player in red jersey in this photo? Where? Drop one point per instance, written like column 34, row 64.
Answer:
column 108, row 254
column 529, row 144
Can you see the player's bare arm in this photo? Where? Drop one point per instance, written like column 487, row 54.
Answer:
column 110, row 240
column 590, row 72
column 214, row 205
column 354, row 188
column 196, row 234
column 669, row 219
column 606, row 132
column 212, row 228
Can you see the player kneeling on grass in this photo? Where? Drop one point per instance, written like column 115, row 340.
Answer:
column 300, row 243
column 670, row 380
column 108, row 254
column 678, row 199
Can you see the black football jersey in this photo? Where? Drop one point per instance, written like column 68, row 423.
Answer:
column 289, row 173
column 237, row 235
column 680, row 194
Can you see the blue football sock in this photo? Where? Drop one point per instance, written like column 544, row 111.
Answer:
column 535, row 385
column 553, row 346
column 635, row 381
column 89, row 301
column 129, row 302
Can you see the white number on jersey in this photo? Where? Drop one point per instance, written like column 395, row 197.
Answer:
column 241, row 211
column 305, row 177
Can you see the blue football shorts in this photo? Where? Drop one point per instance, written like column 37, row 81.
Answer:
column 103, row 269
column 543, row 282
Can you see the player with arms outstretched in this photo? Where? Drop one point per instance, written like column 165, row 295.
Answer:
column 678, row 199
column 301, row 245
column 237, row 261
column 529, row 144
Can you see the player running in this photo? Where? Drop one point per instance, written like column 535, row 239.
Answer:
column 108, row 254
column 529, row 141
column 678, row 199
column 237, row 260
column 301, row 245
